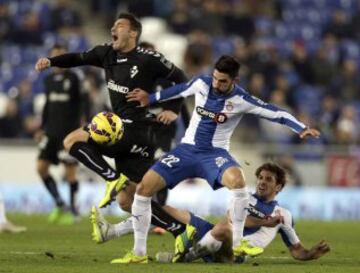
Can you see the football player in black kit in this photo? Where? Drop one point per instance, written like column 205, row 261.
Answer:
column 61, row 115
column 126, row 66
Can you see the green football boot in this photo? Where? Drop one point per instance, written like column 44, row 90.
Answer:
column 131, row 258
column 112, row 189
column 245, row 248
column 183, row 242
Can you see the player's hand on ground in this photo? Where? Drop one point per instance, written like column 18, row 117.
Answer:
column 138, row 95
column 319, row 250
column 309, row 132
column 42, row 64
column 166, row 117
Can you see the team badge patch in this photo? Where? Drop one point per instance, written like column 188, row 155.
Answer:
column 229, row 106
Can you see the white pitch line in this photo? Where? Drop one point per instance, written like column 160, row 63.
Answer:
column 289, row 258
column 25, row 253
column 276, row 258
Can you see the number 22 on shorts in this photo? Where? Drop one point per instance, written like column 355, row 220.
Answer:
column 169, row 160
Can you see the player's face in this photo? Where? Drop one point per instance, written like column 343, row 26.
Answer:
column 121, row 34
column 266, row 186
column 222, row 82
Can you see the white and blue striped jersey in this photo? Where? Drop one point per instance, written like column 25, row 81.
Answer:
column 215, row 116
column 262, row 236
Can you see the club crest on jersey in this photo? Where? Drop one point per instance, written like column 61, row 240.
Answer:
column 133, row 71
column 229, row 106
column 217, row 117
column 219, row 161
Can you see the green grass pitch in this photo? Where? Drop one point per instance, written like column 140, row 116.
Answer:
column 66, row 249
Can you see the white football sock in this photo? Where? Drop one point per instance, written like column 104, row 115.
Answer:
column 209, row 241
column 122, row 228
column 238, row 213
column 141, row 215
column 3, row 219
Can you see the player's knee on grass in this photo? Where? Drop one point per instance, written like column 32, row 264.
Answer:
column 222, row 232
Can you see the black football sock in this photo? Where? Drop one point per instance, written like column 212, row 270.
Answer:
column 74, row 187
column 50, row 185
column 88, row 155
column 161, row 218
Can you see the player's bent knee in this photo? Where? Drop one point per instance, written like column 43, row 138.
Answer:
column 68, row 142
column 235, row 183
column 78, row 135
column 233, row 178
column 238, row 182
column 151, row 183
column 141, row 189
column 222, row 232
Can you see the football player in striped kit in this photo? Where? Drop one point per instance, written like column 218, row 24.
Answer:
column 265, row 219
column 204, row 150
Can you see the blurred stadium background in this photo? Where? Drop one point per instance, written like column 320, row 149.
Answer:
column 301, row 55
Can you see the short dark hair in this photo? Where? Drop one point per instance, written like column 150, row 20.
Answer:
column 147, row 45
column 279, row 172
column 135, row 23
column 228, row 65
column 59, row 46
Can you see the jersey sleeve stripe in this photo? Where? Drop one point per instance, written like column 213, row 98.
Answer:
column 272, row 113
column 285, row 238
column 173, row 92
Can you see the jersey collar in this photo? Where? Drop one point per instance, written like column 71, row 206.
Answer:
column 271, row 203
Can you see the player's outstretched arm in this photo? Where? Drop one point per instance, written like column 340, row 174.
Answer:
column 42, row 64
column 300, row 253
column 171, row 93
column 309, row 132
column 273, row 113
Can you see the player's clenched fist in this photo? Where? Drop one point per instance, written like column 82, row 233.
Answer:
column 42, row 64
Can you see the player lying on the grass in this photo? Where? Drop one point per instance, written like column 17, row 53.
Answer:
column 103, row 231
column 213, row 243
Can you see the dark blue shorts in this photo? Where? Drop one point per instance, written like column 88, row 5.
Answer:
column 187, row 161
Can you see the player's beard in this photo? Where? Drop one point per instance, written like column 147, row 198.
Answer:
column 224, row 93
